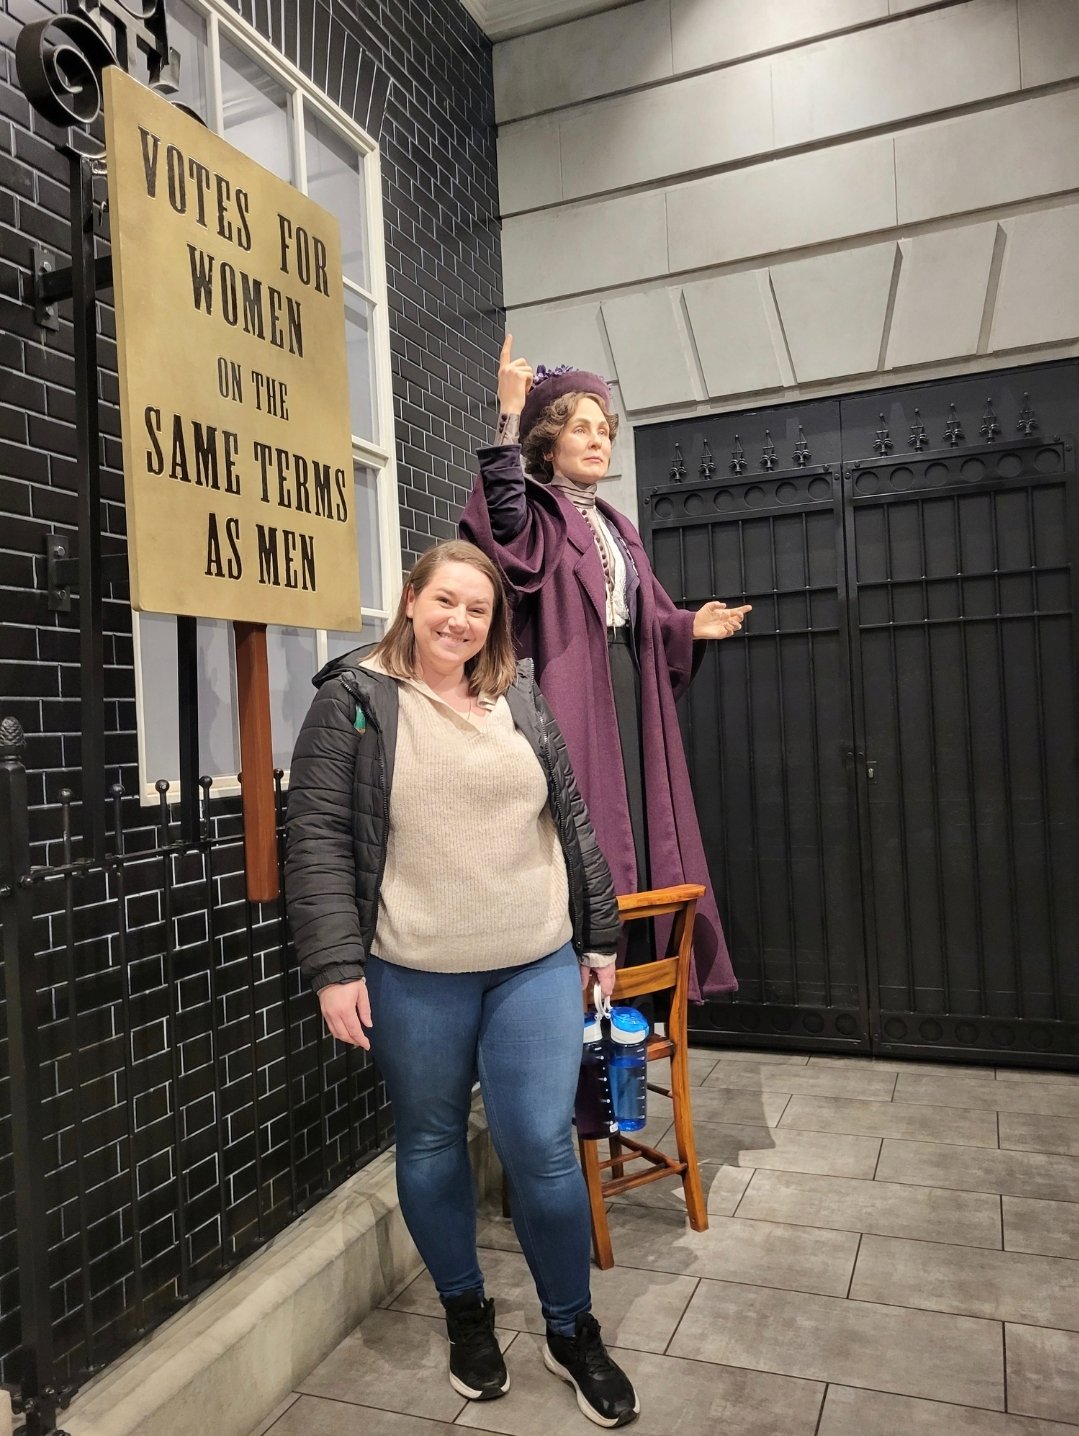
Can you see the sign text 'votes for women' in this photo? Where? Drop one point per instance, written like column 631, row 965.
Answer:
column 233, row 382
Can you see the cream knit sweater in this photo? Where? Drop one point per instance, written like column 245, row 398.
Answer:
column 475, row 877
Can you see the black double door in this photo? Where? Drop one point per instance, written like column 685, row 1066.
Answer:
column 885, row 762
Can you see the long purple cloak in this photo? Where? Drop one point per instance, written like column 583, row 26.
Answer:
column 554, row 575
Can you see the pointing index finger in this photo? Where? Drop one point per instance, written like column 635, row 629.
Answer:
column 507, row 350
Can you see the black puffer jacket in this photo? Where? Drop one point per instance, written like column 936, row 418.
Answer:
column 338, row 815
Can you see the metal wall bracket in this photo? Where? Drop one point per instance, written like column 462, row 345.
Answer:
column 62, row 570
column 51, row 284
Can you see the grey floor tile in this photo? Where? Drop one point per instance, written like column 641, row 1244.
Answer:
column 752, row 1058
column 1036, row 1074
column 692, row 1398
column 275, row 1416
column 999, row 1285
column 1043, row 1372
column 848, row 1412
column 701, row 1062
column 636, row 1309
column 1043, row 1098
column 975, row 1169
column 765, row 1253
column 895, row 1064
column 1051, row 1228
column 887, row 1208
column 786, row 1149
column 960, row 1125
column 723, row 1187
column 495, row 1231
column 804, row 1081
column 316, row 1416
column 712, row 1103
column 393, row 1361
column 1028, row 1133
column 913, row 1353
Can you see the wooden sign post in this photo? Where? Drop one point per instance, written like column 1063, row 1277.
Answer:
column 256, row 762
column 234, row 404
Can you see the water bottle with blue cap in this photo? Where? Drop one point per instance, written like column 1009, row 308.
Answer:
column 593, row 1113
column 628, row 1067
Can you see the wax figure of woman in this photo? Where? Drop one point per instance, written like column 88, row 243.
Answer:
column 448, row 900
column 612, row 652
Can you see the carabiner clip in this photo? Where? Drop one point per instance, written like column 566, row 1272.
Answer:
column 600, row 1001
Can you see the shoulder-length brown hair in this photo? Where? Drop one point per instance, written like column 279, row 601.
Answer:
column 493, row 669
column 543, row 435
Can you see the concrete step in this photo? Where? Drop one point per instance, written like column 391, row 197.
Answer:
column 225, row 1362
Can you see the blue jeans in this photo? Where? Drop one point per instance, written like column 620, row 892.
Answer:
column 519, row 1028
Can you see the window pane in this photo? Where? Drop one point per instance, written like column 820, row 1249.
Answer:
column 368, row 538
column 187, row 33
column 255, row 111
column 292, row 661
column 218, row 744
column 339, row 643
column 360, row 377
column 335, row 181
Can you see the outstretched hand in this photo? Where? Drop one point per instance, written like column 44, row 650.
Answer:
column 716, row 620
column 514, row 379
column 346, row 1009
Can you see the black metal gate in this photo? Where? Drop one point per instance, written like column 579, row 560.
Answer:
column 885, row 765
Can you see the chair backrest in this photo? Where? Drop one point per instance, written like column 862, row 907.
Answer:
column 672, row 970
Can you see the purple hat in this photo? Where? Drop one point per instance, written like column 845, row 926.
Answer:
column 550, row 384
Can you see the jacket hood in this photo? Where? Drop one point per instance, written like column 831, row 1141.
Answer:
column 337, row 666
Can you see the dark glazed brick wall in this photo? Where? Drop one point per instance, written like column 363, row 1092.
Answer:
column 440, row 199
column 421, row 70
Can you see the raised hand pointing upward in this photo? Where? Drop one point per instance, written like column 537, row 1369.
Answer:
column 514, row 379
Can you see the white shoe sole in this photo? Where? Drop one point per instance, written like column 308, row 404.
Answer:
column 473, row 1394
column 557, row 1369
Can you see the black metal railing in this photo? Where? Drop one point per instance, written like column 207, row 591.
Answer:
column 174, row 1101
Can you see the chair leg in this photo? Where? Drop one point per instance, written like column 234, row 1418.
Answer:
column 618, row 1169
column 696, row 1209
column 601, row 1236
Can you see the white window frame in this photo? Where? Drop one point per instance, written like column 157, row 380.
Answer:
column 380, row 457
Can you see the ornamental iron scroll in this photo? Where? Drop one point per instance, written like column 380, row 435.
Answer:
column 883, row 442
column 990, row 425
column 953, row 429
column 918, row 439
column 60, row 60
column 1028, row 420
column 708, row 463
column 739, row 463
column 802, row 456
column 678, row 466
column 769, row 457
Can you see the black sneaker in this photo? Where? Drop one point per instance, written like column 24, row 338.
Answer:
column 476, row 1366
column 605, row 1393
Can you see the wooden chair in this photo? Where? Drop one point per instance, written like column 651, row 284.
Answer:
column 668, row 973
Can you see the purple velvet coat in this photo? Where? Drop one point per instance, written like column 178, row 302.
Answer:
column 547, row 555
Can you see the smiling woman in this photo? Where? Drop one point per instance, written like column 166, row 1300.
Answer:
column 451, row 630
column 451, row 618
column 448, row 901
